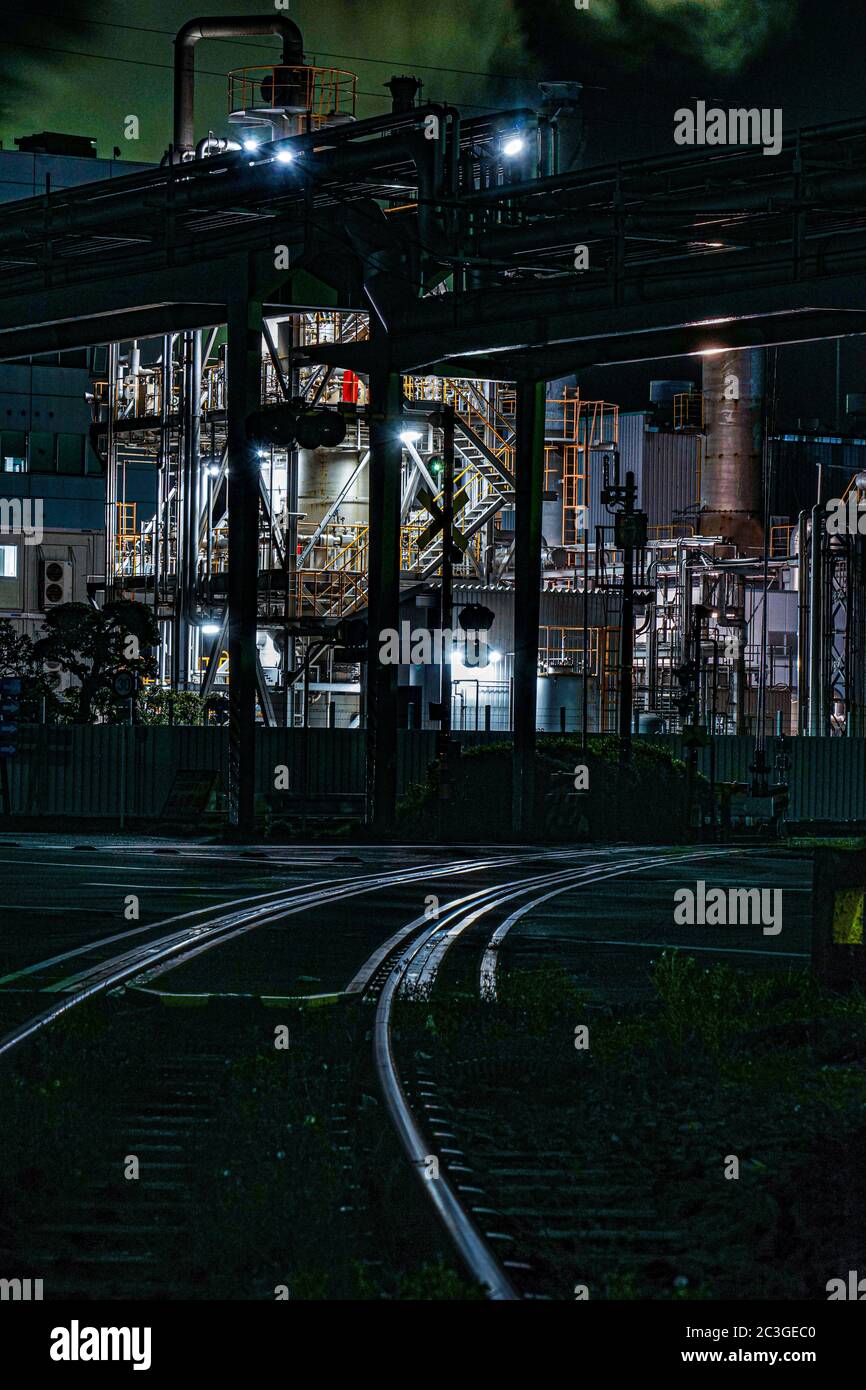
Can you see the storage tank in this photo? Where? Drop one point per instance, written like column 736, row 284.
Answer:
column 322, row 474
column 733, row 385
column 551, row 507
column 564, row 691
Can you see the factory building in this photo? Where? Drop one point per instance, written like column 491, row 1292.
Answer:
column 53, row 484
column 727, row 608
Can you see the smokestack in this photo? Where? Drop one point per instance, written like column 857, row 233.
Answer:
column 562, row 112
column 404, row 92
column 731, row 494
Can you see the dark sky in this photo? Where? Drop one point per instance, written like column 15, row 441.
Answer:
column 82, row 67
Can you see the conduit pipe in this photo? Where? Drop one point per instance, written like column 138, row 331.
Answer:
column 221, row 27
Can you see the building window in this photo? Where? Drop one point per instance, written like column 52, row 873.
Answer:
column 41, row 453
column 13, row 451
column 8, row 562
column 70, row 453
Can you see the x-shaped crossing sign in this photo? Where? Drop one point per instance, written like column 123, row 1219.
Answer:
column 438, row 522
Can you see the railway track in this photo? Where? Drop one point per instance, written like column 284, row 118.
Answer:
column 498, row 1204
column 505, row 1203
column 179, row 939
column 117, row 1238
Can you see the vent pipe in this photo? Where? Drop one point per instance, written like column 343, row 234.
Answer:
column 404, row 94
column 220, row 27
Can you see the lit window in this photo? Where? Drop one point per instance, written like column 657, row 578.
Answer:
column 8, row 562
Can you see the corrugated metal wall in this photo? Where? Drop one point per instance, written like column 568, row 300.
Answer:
column 795, row 472
column 827, row 776
column 77, row 771
column 665, row 465
column 670, row 477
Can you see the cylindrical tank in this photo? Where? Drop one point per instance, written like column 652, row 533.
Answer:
column 563, row 691
column 322, row 474
column 733, row 385
column 551, row 511
column 650, row 723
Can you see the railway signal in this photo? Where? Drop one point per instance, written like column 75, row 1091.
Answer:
column 287, row 424
column 10, row 706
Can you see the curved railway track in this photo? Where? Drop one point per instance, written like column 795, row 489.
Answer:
column 466, row 1204
column 199, row 930
column 123, row 1237
column 490, row 1199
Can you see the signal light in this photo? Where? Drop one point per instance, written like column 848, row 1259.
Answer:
column 284, row 425
column 10, row 706
column 476, row 618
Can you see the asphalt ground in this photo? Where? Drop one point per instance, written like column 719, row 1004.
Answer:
column 62, row 893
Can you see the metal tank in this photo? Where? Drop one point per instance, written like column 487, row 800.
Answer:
column 322, row 475
column 733, row 386
column 564, row 692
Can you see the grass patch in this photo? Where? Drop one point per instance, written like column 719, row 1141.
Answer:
column 726, row 1063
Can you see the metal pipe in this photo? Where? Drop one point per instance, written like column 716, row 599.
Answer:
column 447, row 593
column 529, row 484
column 244, row 367
column 111, row 471
column 802, row 622
column 816, row 664
column 220, row 27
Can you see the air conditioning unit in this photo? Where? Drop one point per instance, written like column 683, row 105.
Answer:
column 53, row 668
column 56, row 585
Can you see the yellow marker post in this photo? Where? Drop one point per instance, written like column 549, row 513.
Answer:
column 848, row 917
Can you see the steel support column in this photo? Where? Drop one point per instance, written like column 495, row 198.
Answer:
column 383, row 594
column 817, row 724
column 243, row 397
column 529, row 485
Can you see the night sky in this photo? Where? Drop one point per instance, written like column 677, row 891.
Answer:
column 82, row 67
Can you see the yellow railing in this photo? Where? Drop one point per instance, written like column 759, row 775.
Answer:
column 689, row 410
column 674, row 530
column 780, row 541
column 310, row 97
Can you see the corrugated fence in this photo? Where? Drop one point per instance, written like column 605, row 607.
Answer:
column 88, row 771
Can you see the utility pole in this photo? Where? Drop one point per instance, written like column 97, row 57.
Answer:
column 446, row 419
column 630, row 534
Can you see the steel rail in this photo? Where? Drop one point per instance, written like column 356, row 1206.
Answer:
column 459, row 1224
column 157, row 957
column 449, row 868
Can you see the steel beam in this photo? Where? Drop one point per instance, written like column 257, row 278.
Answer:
column 383, row 594
column 529, row 485
column 244, row 366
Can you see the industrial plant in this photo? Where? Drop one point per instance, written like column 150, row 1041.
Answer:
column 385, row 400
column 392, row 499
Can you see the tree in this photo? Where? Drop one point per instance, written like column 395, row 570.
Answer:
column 160, row 706
column 18, row 658
column 90, row 643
